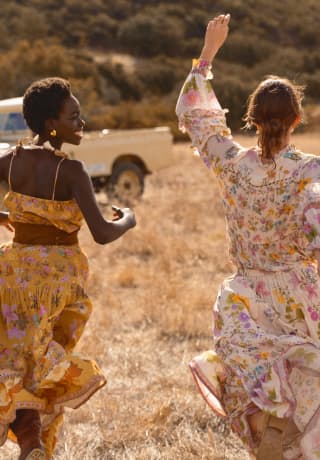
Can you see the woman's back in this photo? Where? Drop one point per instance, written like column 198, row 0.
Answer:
column 267, row 206
column 34, row 178
column 37, row 172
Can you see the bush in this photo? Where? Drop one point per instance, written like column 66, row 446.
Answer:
column 22, row 22
column 134, row 115
column 115, row 76
column 157, row 77
column 312, row 82
column 103, row 31
column 145, row 35
column 243, row 49
column 22, row 67
column 233, row 94
column 284, row 61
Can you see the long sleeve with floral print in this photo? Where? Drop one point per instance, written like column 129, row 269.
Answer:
column 202, row 117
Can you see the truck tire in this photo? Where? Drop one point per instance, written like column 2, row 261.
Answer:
column 126, row 183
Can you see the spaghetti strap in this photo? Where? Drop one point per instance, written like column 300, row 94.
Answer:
column 56, row 178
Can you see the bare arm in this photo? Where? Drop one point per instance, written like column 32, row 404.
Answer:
column 103, row 231
column 216, row 34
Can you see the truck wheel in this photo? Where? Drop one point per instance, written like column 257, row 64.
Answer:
column 126, row 183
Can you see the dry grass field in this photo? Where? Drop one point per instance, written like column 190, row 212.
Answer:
column 152, row 291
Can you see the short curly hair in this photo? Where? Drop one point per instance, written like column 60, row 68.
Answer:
column 43, row 100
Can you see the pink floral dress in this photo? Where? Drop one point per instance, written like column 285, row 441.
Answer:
column 267, row 315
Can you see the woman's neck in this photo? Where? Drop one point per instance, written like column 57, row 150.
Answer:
column 286, row 140
column 55, row 142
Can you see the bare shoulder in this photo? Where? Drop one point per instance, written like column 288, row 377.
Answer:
column 74, row 165
column 74, row 168
column 6, row 156
column 76, row 177
column 5, row 159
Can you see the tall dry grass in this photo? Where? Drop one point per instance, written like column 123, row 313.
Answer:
column 153, row 292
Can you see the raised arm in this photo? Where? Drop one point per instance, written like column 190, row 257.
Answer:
column 103, row 231
column 198, row 108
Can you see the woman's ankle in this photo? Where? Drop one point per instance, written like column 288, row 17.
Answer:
column 27, row 449
column 27, row 429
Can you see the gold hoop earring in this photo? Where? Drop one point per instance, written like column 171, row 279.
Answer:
column 53, row 133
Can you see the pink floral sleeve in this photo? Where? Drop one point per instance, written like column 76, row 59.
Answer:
column 201, row 116
column 309, row 184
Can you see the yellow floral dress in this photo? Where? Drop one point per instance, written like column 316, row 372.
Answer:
column 266, row 352
column 43, row 310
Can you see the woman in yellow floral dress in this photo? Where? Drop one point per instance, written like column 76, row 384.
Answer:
column 264, row 371
column 44, row 305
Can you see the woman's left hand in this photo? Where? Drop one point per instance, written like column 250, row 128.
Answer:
column 4, row 221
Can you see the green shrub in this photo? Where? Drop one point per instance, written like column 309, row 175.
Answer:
column 156, row 77
column 150, row 35
column 312, row 82
column 127, row 84
column 244, row 50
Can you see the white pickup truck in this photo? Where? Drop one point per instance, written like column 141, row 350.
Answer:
column 117, row 161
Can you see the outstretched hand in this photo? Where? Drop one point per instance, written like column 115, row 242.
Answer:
column 215, row 36
column 119, row 213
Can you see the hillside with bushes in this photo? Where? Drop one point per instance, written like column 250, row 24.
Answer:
column 127, row 59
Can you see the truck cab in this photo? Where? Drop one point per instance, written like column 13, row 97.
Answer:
column 12, row 124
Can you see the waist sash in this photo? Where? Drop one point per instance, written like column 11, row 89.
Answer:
column 43, row 235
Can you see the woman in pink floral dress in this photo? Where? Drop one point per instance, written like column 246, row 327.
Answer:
column 264, row 372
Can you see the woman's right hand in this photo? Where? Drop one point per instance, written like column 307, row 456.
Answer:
column 216, row 34
column 125, row 213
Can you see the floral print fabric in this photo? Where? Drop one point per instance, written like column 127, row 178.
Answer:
column 43, row 310
column 64, row 215
column 267, row 315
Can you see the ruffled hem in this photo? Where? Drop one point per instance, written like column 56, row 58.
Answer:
column 203, row 369
column 291, row 371
column 68, row 384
